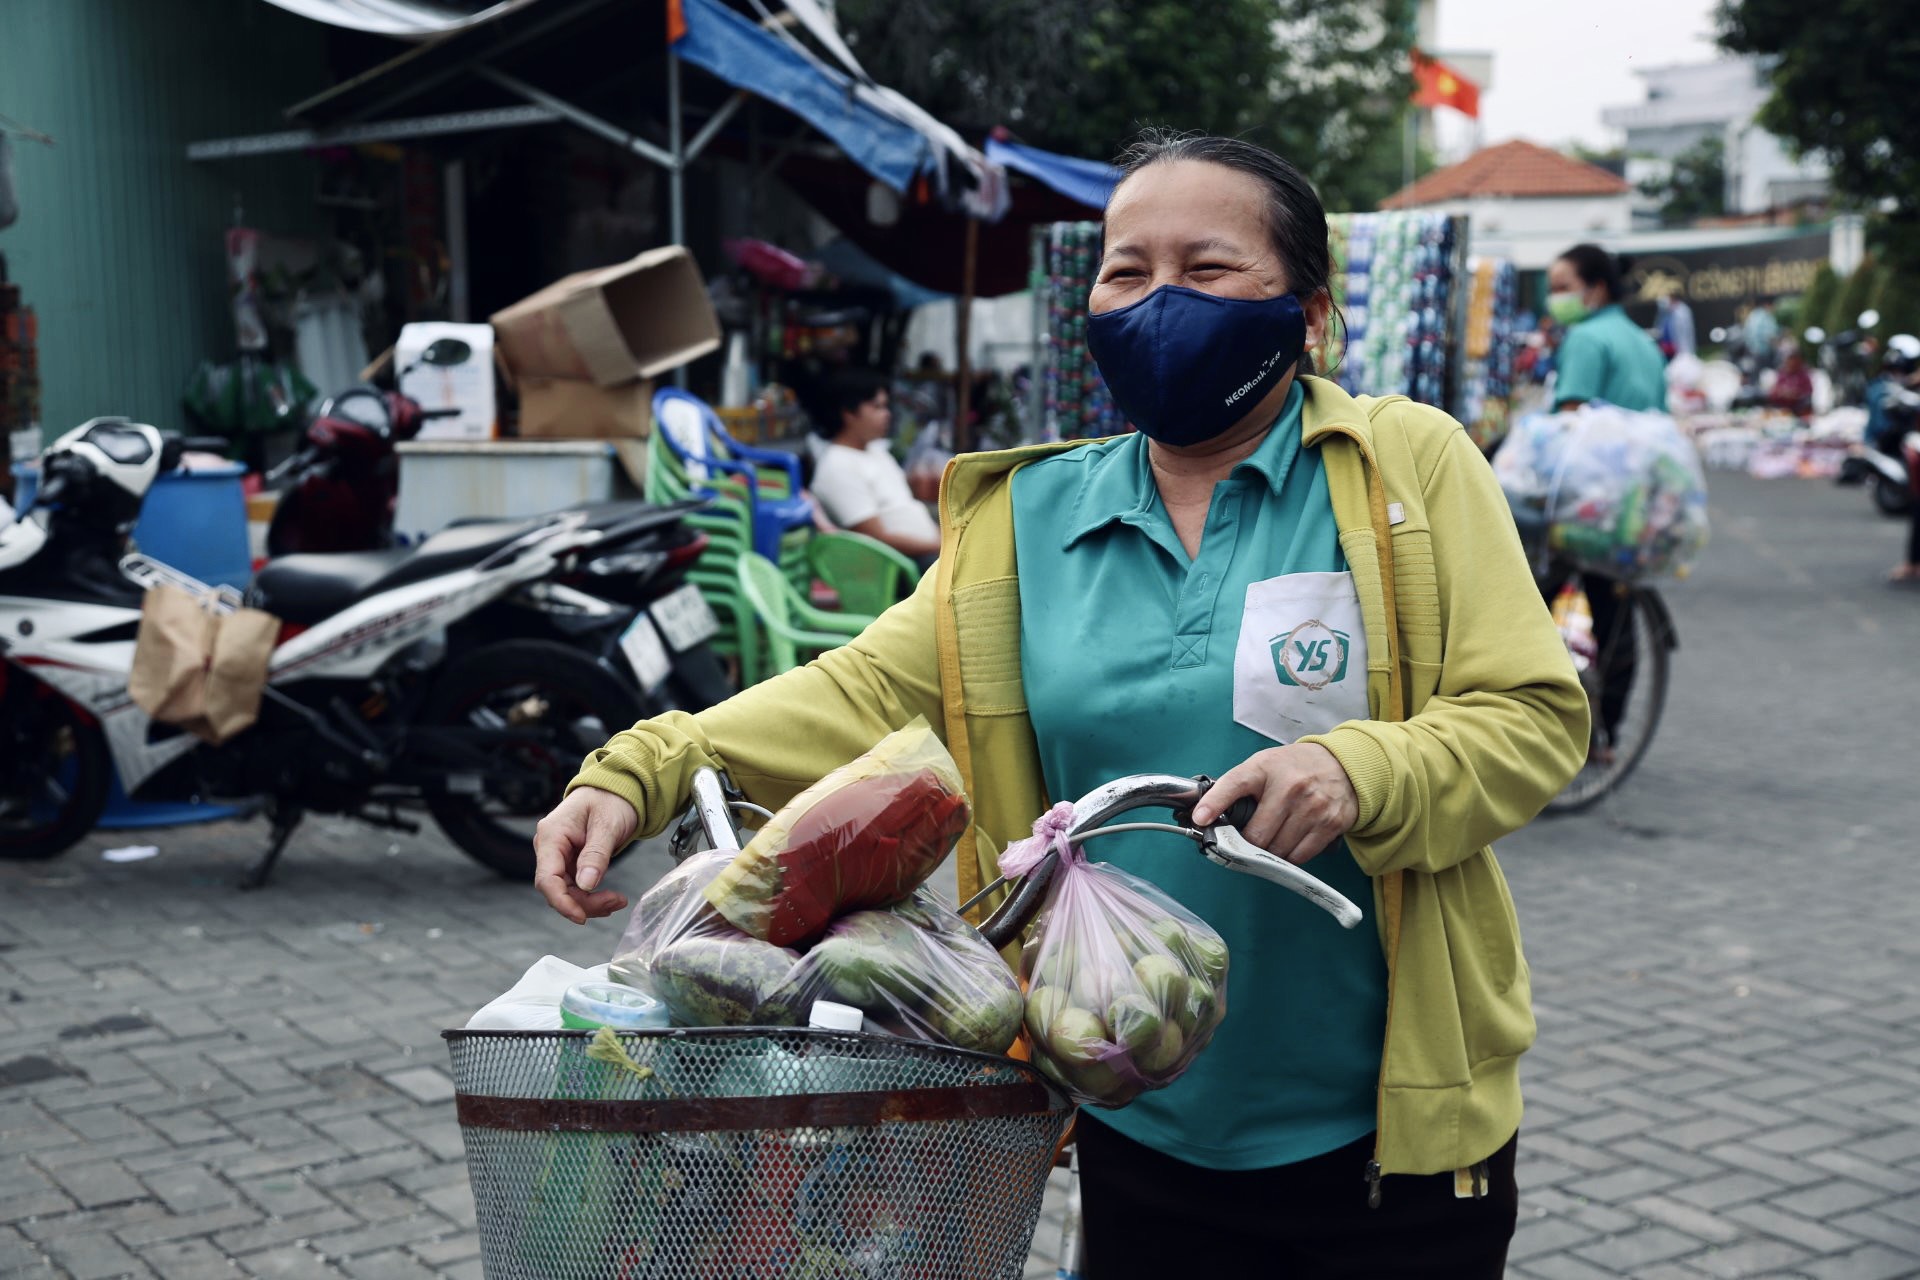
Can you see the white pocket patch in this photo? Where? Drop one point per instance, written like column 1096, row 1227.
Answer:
column 1301, row 665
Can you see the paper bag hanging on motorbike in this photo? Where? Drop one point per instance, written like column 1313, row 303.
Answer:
column 200, row 671
column 242, row 646
column 171, row 654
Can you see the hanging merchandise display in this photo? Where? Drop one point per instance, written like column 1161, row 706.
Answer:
column 1399, row 279
column 1394, row 280
column 1078, row 405
column 1486, row 376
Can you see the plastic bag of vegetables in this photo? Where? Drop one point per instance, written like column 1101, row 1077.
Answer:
column 707, row 973
column 866, row 835
column 914, row 969
column 1126, row 986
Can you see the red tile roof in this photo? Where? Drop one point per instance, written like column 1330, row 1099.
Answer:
column 1516, row 168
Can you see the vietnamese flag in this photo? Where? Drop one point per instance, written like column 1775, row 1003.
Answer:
column 1435, row 84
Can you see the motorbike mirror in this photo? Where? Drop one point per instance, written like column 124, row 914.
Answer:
column 1815, row 335
column 1718, row 334
column 446, row 351
column 1869, row 319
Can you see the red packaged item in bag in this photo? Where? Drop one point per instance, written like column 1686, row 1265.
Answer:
column 866, row 835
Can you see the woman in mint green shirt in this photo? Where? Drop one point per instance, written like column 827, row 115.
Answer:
column 1161, row 575
column 1605, row 356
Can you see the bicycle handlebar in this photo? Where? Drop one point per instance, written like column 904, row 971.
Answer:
column 1220, row 843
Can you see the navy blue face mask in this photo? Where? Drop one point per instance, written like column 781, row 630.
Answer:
column 1184, row 366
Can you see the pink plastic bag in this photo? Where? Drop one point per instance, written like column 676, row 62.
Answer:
column 1126, row 986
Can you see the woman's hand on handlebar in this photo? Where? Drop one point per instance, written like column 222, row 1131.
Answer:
column 1304, row 800
column 572, row 847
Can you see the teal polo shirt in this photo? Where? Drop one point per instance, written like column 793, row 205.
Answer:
column 1607, row 357
column 1127, row 654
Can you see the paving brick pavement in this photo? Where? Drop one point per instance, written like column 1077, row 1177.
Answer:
column 196, row 1082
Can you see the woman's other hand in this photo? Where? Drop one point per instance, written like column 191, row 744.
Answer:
column 572, row 847
column 1304, row 800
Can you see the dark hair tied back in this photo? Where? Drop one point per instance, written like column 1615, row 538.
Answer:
column 1595, row 265
column 1296, row 220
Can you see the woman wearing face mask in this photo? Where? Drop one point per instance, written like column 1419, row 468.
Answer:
column 1317, row 598
column 1605, row 356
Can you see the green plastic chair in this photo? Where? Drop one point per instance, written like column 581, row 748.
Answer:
column 790, row 623
column 868, row 575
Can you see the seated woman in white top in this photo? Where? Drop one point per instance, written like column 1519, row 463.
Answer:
column 856, row 480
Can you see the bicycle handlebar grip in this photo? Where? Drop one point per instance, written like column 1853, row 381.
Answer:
column 1240, row 812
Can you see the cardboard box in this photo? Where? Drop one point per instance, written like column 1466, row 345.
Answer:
column 467, row 386
column 569, row 409
column 612, row 325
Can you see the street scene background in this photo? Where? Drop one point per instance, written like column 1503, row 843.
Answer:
column 197, row 1081
column 500, row 357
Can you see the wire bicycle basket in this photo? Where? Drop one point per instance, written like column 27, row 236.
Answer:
column 727, row 1153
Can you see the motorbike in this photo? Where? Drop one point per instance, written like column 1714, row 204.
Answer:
column 467, row 675
column 343, row 482
column 1882, row 462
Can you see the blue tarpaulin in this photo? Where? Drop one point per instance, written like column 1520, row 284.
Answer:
column 1088, row 181
column 730, row 46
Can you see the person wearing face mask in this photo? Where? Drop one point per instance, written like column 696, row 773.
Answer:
column 1605, row 356
column 1318, row 599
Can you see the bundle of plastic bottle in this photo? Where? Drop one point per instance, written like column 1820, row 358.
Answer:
column 1621, row 493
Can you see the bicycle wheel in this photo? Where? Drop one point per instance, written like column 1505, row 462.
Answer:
column 1626, row 687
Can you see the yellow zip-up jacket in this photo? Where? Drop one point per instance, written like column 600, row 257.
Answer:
column 1477, row 721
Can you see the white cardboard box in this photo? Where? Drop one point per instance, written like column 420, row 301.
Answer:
column 467, row 386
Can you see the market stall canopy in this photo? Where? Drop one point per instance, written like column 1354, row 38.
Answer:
column 1089, row 182
column 406, row 19
column 526, row 47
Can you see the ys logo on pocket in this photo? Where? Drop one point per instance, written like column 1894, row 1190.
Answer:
column 1311, row 656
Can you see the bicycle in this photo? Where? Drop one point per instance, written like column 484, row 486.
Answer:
column 1625, row 678
column 662, row 1155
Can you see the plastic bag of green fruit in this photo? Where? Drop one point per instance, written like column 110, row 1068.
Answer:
column 1125, row 986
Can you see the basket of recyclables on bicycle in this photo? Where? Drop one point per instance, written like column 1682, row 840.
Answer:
column 1606, row 490
column 834, row 1095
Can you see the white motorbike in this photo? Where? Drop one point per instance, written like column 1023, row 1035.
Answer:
column 382, row 691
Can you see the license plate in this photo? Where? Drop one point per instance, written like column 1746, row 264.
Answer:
column 684, row 618
column 648, row 657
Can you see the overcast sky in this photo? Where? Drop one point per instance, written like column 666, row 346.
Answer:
column 1556, row 63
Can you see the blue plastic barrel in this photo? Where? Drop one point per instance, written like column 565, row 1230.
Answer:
column 196, row 522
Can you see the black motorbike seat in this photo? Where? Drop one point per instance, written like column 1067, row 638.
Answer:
column 456, row 547
column 306, row 589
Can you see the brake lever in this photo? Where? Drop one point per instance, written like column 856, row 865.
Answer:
column 1224, row 846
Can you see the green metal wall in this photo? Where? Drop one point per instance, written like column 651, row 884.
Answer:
column 119, row 244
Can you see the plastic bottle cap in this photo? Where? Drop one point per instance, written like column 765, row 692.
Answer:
column 828, row 1016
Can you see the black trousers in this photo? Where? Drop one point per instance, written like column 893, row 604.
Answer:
column 1151, row 1216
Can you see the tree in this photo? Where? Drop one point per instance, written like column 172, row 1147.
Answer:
column 1855, row 296
column 1842, row 86
column 1695, row 186
column 1816, row 305
column 1321, row 83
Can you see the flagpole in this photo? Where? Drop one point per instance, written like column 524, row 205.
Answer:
column 1406, row 163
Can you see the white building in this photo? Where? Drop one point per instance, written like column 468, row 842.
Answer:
column 1525, row 202
column 1686, row 104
